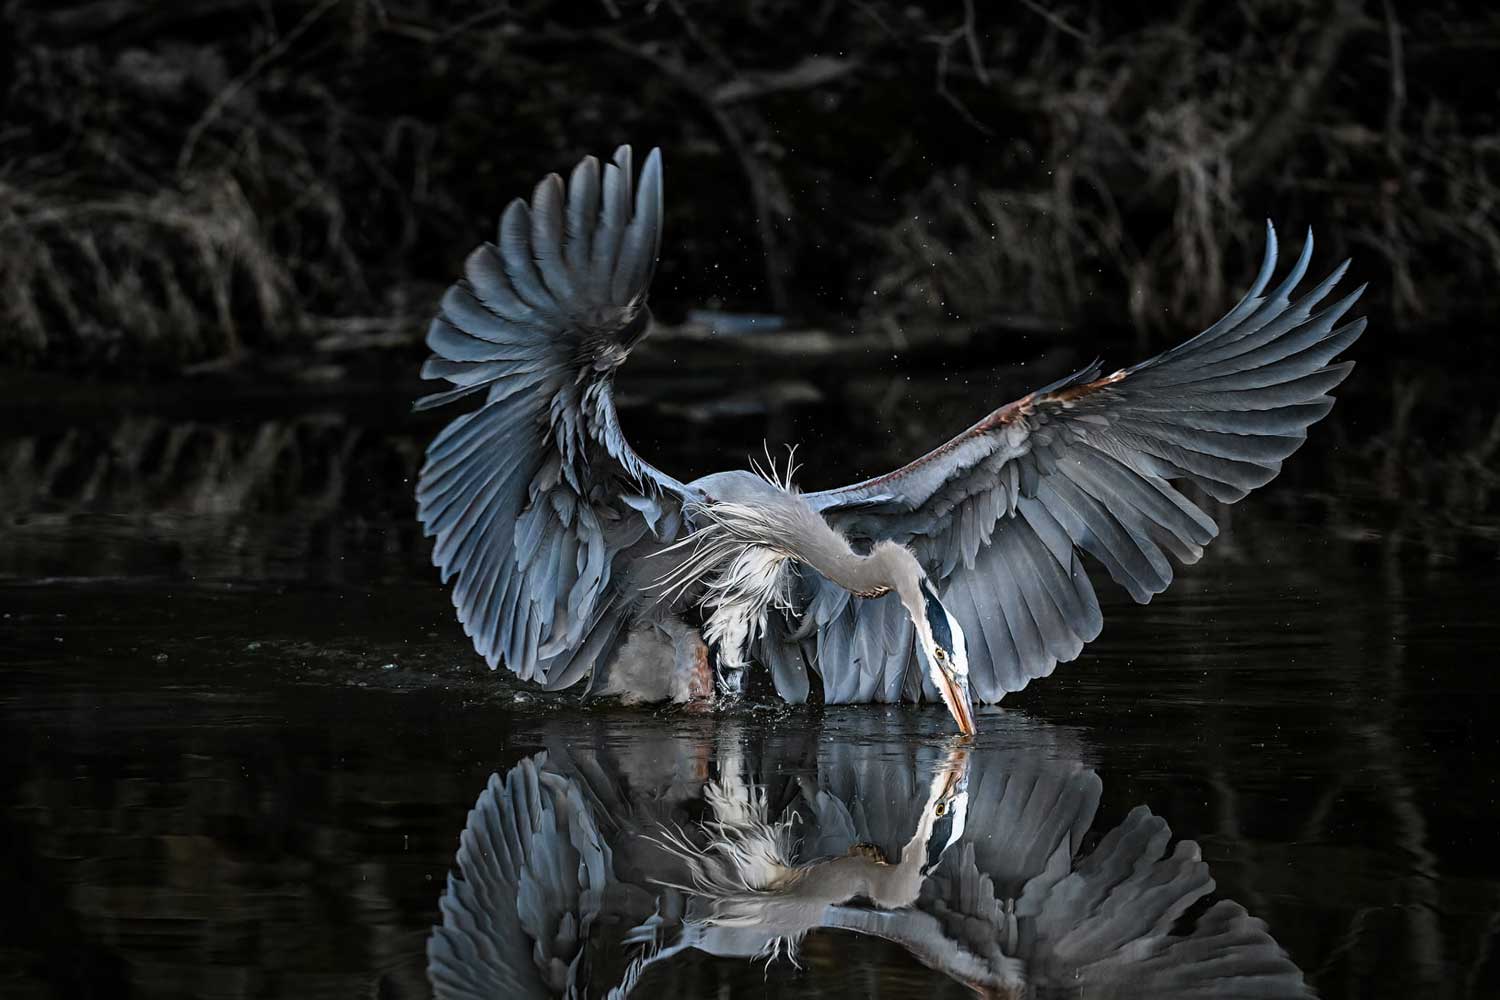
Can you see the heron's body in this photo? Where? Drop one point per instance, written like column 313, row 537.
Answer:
column 578, row 560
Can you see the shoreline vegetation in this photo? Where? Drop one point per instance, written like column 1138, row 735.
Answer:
column 186, row 188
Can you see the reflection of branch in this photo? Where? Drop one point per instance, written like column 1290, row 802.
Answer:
column 1482, row 955
column 1227, row 808
column 1418, row 889
column 1347, row 942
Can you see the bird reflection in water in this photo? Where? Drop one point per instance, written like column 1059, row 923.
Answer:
column 577, row 876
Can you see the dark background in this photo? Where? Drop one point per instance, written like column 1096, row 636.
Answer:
column 190, row 183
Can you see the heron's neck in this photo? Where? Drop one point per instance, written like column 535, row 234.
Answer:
column 802, row 534
column 887, row 566
column 888, row 885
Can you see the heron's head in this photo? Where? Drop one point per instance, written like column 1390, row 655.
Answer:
column 950, row 813
column 940, row 643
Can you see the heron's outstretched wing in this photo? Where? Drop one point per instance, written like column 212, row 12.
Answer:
column 1093, row 464
column 531, row 496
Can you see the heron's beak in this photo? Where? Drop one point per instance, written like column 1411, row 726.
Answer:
column 940, row 639
column 954, row 688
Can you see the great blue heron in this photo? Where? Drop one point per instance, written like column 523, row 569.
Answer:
column 575, row 557
column 575, row 878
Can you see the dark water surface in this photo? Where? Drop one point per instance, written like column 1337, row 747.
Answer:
column 242, row 732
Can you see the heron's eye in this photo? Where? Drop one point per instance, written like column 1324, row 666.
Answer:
column 939, row 654
column 941, row 810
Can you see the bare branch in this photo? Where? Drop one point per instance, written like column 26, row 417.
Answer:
column 972, row 38
column 811, row 72
column 766, row 190
column 231, row 90
column 1397, row 103
column 1279, row 127
column 1055, row 19
column 963, row 33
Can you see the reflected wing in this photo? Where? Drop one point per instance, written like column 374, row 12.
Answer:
column 1088, row 464
column 1113, row 924
column 1116, row 922
column 1028, row 815
column 533, row 495
column 532, row 869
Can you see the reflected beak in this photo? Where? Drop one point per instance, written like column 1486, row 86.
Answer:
column 955, row 692
column 954, row 769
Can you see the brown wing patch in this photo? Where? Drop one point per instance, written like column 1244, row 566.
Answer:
column 1006, row 415
column 1087, row 389
column 1003, row 417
